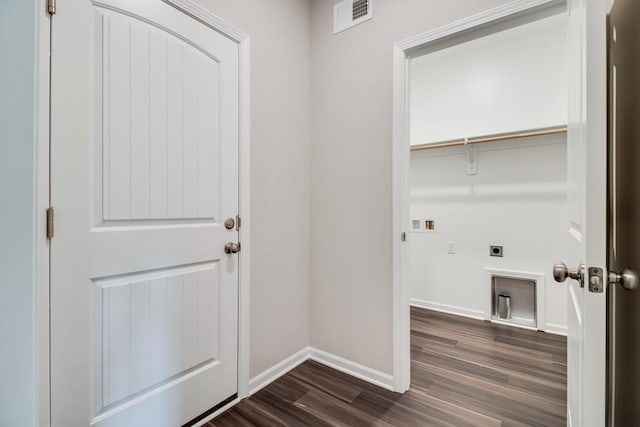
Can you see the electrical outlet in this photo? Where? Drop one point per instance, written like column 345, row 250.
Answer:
column 452, row 248
column 496, row 251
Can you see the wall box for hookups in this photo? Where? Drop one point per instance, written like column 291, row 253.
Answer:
column 423, row 225
column 513, row 300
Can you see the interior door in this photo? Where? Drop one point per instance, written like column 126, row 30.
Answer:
column 144, row 299
column 586, row 175
column 624, row 246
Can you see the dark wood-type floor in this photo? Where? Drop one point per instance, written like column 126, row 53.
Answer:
column 464, row 373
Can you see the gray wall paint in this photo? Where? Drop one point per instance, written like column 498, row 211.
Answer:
column 17, row 212
column 280, row 157
column 351, row 272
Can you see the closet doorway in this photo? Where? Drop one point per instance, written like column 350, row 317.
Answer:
column 487, row 117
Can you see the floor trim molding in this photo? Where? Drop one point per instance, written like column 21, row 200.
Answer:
column 552, row 328
column 268, row 376
column 354, row 369
column 349, row 367
column 449, row 309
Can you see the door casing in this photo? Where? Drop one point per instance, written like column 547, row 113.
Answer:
column 402, row 52
column 43, row 190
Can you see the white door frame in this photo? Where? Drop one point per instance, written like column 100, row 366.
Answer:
column 244, row 173
column 401, row 161
column 42, row 193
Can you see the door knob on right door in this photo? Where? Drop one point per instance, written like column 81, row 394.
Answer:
column 628, row 279
column 561, row 272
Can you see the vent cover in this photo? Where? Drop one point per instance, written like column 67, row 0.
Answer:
column 348, row 13
column 360, row 8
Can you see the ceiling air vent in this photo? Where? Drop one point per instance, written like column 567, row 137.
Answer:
column 348, row 13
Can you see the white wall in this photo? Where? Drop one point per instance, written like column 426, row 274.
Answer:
column 518, row 199
column 18, row 373
column 511, row 80
column 351, row 251
column 280, row 162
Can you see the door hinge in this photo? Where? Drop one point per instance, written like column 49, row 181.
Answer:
column 51, row 7
column 238, row 220
column 50, row 222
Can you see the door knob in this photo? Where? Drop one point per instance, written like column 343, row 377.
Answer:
column 628, row 279
column 561, row 272
column 231, row 248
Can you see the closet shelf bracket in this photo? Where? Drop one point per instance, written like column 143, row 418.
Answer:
column 472, row 158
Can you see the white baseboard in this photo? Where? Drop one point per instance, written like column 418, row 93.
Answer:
column 450, row 309
column 513, row 325
column 352, row 368
column 273, row 373
column 552, row 328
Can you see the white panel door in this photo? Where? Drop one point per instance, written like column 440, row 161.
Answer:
column 586, row 176
column 144, row 300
